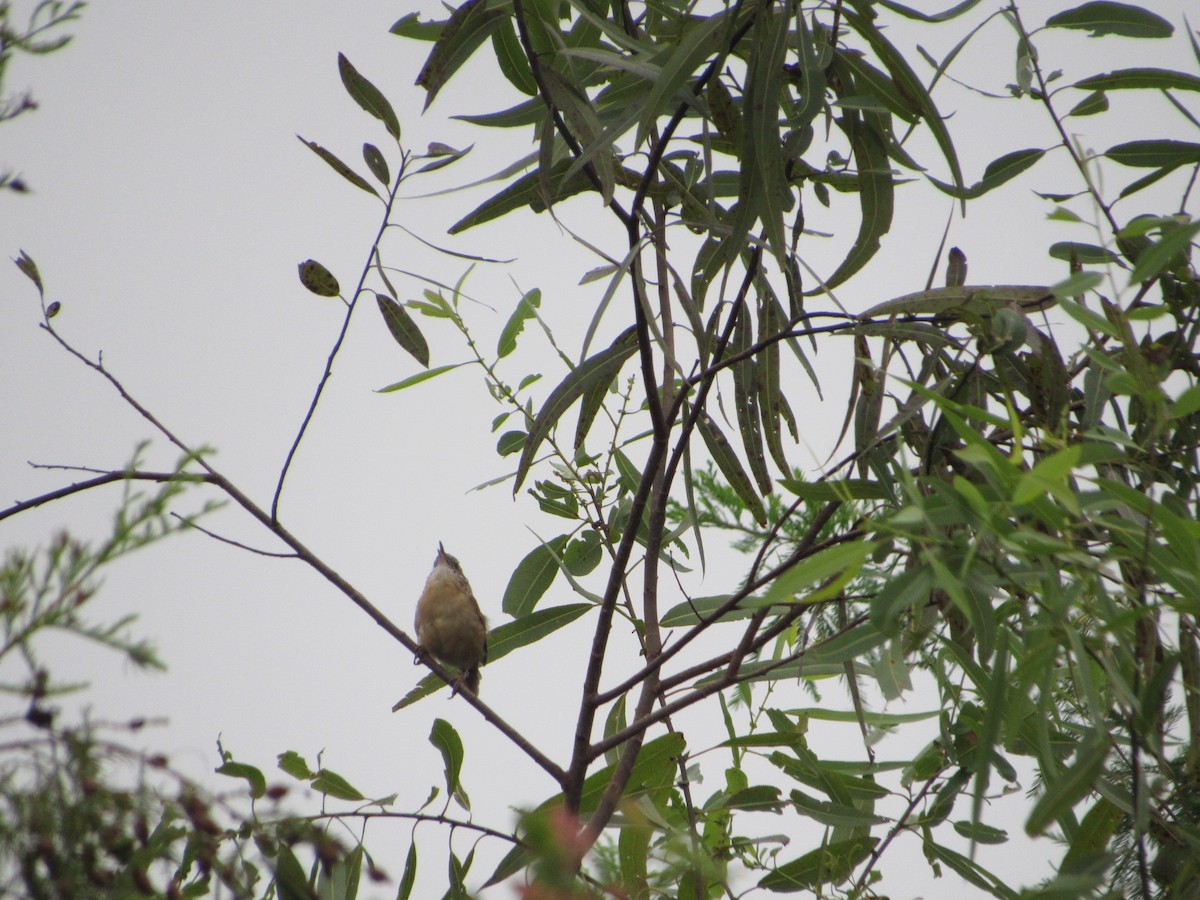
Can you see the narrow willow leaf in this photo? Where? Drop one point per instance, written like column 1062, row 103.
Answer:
column 1095, row 832
column 368, row 96
column 908, row 82
column 419, row 377
column 1094, row 103
column 1138, row 79
column 511, row 58
column 1154, row 153
column 29, row 268
column 846, row 490
column 1165, row 252
column 1071, row 786
column 450, row 745
column 506, row 638
column 525, row 191
column 409, row 878
column 467, row 28
column 875, row 198
column 516, row 322
column 377, row 164
column 944, row 16
column 571, row 100
column 295, row 765
column 698, row 44
column 1104, row 17
column 727, row 461
column 601, row 367
column 532, row 577
column 829, row 864
column 745, row 400
column 767, row 381
column 340, row 167
column 1069, row 251
column 998, row 171
column 821, row 575
column 290, row 881
column 403, row 328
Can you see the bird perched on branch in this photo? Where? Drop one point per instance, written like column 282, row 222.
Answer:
column 450, row 627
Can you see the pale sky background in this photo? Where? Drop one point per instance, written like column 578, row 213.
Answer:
column 171, row 204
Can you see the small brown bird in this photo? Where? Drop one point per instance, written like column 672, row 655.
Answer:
column 449, row 625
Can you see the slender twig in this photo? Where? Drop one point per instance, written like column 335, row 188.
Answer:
column 337, row 345
column 268, row 521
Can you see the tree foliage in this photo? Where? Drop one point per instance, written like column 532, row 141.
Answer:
column 1010, row 535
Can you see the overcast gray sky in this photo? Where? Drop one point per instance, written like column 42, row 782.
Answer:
column 171, row 203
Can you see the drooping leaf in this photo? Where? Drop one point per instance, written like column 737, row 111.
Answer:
column 727, row 461
column 450, row 745
column 875, row 197
column 525, row 191
column 252, row 775
column 419, row 377
column 511, row 58
column 998, row 171
column 368, row 97
column 1070, row 786
column 403, row 328
column 600, row 368
column 467, row 28
column 516, row 322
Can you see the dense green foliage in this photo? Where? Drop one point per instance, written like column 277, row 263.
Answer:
column 1012, row 535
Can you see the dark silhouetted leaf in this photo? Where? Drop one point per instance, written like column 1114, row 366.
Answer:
column 318, row 279
column 467, row 28
column 368, row 96
column 1104, row 17
column 377, row 164
column 340, row 167
column 403, row 328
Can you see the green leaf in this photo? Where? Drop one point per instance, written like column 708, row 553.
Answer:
column 1138, row 79
column 1161, row 254
column 1103, row 17
column 253, row 776
column 403, row 328
column 910, row 85
column 826, row 572
column 1069, row 787
column 731, row 467
column 532, row 577
column 290, row 880
column 1073, row 251
column 419, row 377
column 600, row 368
column 450, row 745
column 409, row 878
column 1094, row 103
column 525, row 310
column 506, row 638
column 368, row 97
column 829, row 864
column 511, row 442
column 875, row 197
column 318, row 279
column 334, row 785
column 377, row 164
column 467, row 28
column 689, row 612
column 511, row 58
column 833, row 815
column 998, row 171
column 845, row 489
column 525, row 191
column 1095, row 832
column 293, row 763
column 340, row 167
column 29, row 268
column 1154, row 153
column 699, row 43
